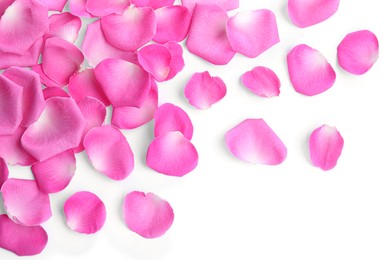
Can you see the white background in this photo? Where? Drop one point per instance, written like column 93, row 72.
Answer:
column 228, row 209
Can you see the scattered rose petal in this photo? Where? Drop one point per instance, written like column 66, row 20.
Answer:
column 64, row 25
column 102, row 8
column 262, row 81
column 54, row 5
column 227, row 5
column 3, row 172
column 155, row 4
column 79, row 8
column 177, row 62
column 155, row 59
column 54, row 92
column 45, row 80
column 27, row 59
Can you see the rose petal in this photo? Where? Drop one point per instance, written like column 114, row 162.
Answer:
column 54, row 5
column 102, row 8
column 45, row 80
column 3, row 172
column 262, row 81
column 177, row 62
column 27, row 59
column 155, row 59
column 227, row 5
column 54, row 92
column 79, row 8
column 155, row 4
column 64, row 25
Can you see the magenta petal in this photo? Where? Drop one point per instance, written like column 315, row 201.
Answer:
column 325, row 145
column 79, row 8
column 155, row 59
column 3, row 172
column 177, row 62
column 310, row 73
column 155, row 4
column 147, row 214
column 21, row 240
column 227, row 5
column 45, row 80
column 262, row 81
column 27, row 59
column 54, row 92
column 102, row 8
column 109, row 152
column 85, row 212
column 358, row 52
column 64, row 25
column 54, row 5
column 255, row 142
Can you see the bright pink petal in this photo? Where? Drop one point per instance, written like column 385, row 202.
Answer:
column 3, row 172
column 45, row 80
column 155, row 4
column 54, row 5
column 124, row 83
column 59, row 128
column 130, row 30
column 172, row 154
column 325, row 145
column 155, row 59
column 255, row 142
column 147, row 214
column 310, row 73
column 304, row 13
column 358, row 52
column 79, row 8
column 64, row 25
column 109, row 152
column 25, row 203
column 27, row 59
column 227, row 5
column 207, row 36
column 54, row 92
column 252, row 33
column 262, row 81
column 177, row 62
column 169, row 118
column 85, row 212
column 21, row 240
column 102, row 8
column 202, row 90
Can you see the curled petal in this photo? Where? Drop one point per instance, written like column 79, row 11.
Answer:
column 227, row 5
column 155, row 4
column 54, row 5
column 54, row 92
column 27, row 59
column 64, row 25
column 3, row 172
column 177, row 61
column 45, row 80
column 79, row 8
column 155, row 59
column 262, row 81
column 102, row 8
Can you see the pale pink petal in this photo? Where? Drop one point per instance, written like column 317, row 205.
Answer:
column 85, row 212
column 202, row 90
column 59, row 128
column 325, row 146
column 155, row 59
column 3, row 172
column 21, row 240
column 25, row 203
column 109, row 152
column 177, row 62
column 307, row 13
column 79, row 8
column 172, row 154
column 54, row 5
column 358, row 52
column 255, row 142
column 124, row 83
column 27, row 59
column 252, row 33
column 169, row 118
column 130, row 30
column 155, row 4
column 207, row 36
column 225, row 4
column 262, row 81
column 310, row 73
column 45, row 80
column 64, row 25
column 102, row 8
column 54, row 92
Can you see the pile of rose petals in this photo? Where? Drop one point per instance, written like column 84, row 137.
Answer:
column 53, row 106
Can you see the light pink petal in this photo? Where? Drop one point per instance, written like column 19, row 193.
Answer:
column 124, row 83
column 54, row 5
column 225, row 4
column 310, row 73
column 172, row 154
column 130, row 30
column 102, row 8
column 177, row 62
column 25, row 203
column 358, row 52
column 54, row 92
column 59, row 128
column 325, row 146
column 109, row 152
column 262, row 81
column 252, row 33
column 21, row 240
column 85, row 212
column 207, row 36
column 169, row 118
column 307, row 13
column 147, row 214
column 27, row 59
column 45, row 80
column 255, row 142
column 202, row 90
column 64, row 25
column 3, row 172
column 79, row 8
column 155, row 4
column 155, row 59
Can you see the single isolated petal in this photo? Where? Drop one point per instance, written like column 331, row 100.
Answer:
column 54, row 92
column 262, row 81
column 147, row 214
column 27, row 59
column 252, row 33
column 79, row 8
column 102, row 8
column 155, row 59
column 358, row 52
column 177, row 62
column 310, row 73
column 3, row 172
column 227, row 5
column 25, row 203
column 85, row 212
column 64, row 25
column 207, row 36
column 54, row 5
column 45, row 80
column 21, row 240
column 202, row 90
column 155, row 4
column 109, row 152
column 255, row 142
column 325, row 144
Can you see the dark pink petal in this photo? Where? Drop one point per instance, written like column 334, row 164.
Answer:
column 130, row 30
column 25, row 203
column 252, row 33
column 27, row 59
column 85, row 212
column 124, row 83
column 45, row 80
column 3, row 172
column 172, row 154
column 202, row 90
column 304, row 14
column 64, row 25
column 325, row 146
column 177, row 62
column 310, row 73
column 207, row 36
column 169, row 118
column 54, row 92
column 59, row 128
column 147, row 214
column 225, row 4
column 255, row 142
column 109, row 152
column 79, row 8
column 358, row 52
column 155, row 59
column 21, row 240
column 102, row 8
column 54, row 5
column 155, row 4
column 262, row 81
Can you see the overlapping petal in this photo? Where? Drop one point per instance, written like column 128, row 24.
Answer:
column 64, row 25
column 27, row 59
column 156, row 60
column 54, row 92
column 227, row 5
column 102, row 8
column 54, row 5
column 3, row 172
column 79, row 8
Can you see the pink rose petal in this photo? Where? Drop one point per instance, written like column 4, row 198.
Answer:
column 27, row 59
column 45, row 80
column 3, row 172
column 79, row 8
column 255, row 142
column 146, row 214
column 155, row 59
column 54, row 5
column 54, row 92
column 177, row 62
column 102, row 8
column 227, row 5
column 155, row 4
column 64, row 25
column 262, row 81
